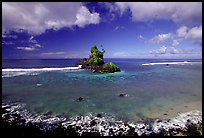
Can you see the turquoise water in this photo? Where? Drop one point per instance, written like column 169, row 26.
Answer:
column 148, row 88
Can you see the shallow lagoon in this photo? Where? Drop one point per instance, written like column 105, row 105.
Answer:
column 154, row 91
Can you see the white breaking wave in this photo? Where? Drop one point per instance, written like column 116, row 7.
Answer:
column 174, row 63
column 34, row 71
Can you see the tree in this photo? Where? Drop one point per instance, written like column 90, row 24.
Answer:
column 96, row 56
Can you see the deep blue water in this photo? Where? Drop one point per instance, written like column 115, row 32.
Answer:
column 152, row 90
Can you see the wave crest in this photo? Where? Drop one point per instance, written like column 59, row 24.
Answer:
column 173, row 63
column 11, row 72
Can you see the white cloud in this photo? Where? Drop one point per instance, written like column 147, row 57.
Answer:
column 175, row 43
column 194, row 34
column 161, row 38
column 34, row 43
column 9, row 36
column 53, row 53
column 182, row 31
column 31, row 40
column 173, row 50
column 36, row 17
column 7, row 43
column 161, row 50
column 179, row 12
column 84, row 17
column 26, row 48
column 37, row 45
column 31, row 44
column 61, row 54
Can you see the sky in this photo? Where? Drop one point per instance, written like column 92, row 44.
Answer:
column 51, row 30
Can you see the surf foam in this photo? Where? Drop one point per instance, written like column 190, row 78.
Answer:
column 11, row 72
column 171, row 63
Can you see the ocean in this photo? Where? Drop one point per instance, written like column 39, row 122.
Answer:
column 52, row 86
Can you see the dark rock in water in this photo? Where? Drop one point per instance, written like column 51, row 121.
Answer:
column 159, row 120
column 122, row 94
column 194, row 129
column 99, row 115
column 80, row 99
column 167, row 64
column 131, row 132
column 96, row 64
column 93, row 123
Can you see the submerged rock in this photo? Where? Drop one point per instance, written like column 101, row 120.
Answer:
column 99, row 115
column 80, row 99
column 122, row 94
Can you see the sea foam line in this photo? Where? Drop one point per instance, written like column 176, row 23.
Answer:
column 11, row 72
column 165, row 63
column 41, row 69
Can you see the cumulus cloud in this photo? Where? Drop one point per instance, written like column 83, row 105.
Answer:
column 173, row 50
column 194, row 34
column 161, row 50
column 84, row 17
column 36, row 17
column 182, row 31
column 175, row 43
column 161, row 38
column 179, row 12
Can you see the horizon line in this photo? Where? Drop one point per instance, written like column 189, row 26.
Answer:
column 81, row 58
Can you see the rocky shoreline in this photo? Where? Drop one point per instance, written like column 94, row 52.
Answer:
column 16, row 120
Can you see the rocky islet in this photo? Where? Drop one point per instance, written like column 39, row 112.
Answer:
column 96, row 63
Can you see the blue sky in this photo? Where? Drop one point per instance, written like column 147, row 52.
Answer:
column 123, row 29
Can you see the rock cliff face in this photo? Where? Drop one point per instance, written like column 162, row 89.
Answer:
column 95, row 62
